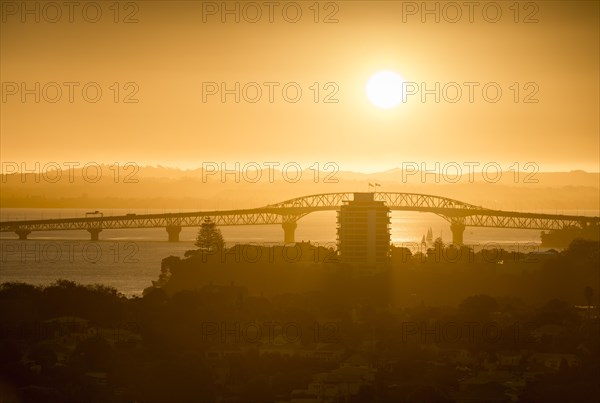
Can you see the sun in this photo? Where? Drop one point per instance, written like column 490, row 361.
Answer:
column 384, row 89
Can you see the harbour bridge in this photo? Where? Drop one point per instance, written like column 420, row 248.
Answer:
column 287, row 213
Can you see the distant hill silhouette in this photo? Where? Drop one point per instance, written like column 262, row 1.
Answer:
column 165, row 187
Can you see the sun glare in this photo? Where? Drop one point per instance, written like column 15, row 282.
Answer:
column 384, row 89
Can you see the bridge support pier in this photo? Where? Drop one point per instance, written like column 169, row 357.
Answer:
column 173, row 231
column 289, row 231
column 94, row 232
column 22, row 233
column 458, row 230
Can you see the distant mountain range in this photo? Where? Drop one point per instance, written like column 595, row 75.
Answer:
column 574, row 178
column 163, row 187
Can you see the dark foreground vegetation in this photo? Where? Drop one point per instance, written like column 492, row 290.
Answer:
column 563, row 237
column 441, row 326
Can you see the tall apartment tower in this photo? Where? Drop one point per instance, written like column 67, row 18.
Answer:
column 364, row 232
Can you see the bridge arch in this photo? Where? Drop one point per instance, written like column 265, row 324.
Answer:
column 286, row 213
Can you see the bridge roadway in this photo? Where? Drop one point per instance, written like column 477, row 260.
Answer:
column 459, row 214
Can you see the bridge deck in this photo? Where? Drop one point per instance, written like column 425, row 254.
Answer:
column 290, row 211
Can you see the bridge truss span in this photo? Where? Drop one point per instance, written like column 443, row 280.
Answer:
column 459, row 214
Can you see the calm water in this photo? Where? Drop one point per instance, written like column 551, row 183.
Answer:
column 130, row 259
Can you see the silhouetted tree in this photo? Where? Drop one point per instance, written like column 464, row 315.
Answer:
column 582, row 249
column 437, row 250
column 166, row 266
column 209, row 237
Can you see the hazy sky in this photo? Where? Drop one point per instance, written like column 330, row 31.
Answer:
column 171, row 55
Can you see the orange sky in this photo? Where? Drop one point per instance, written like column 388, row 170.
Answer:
column 170, row 52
